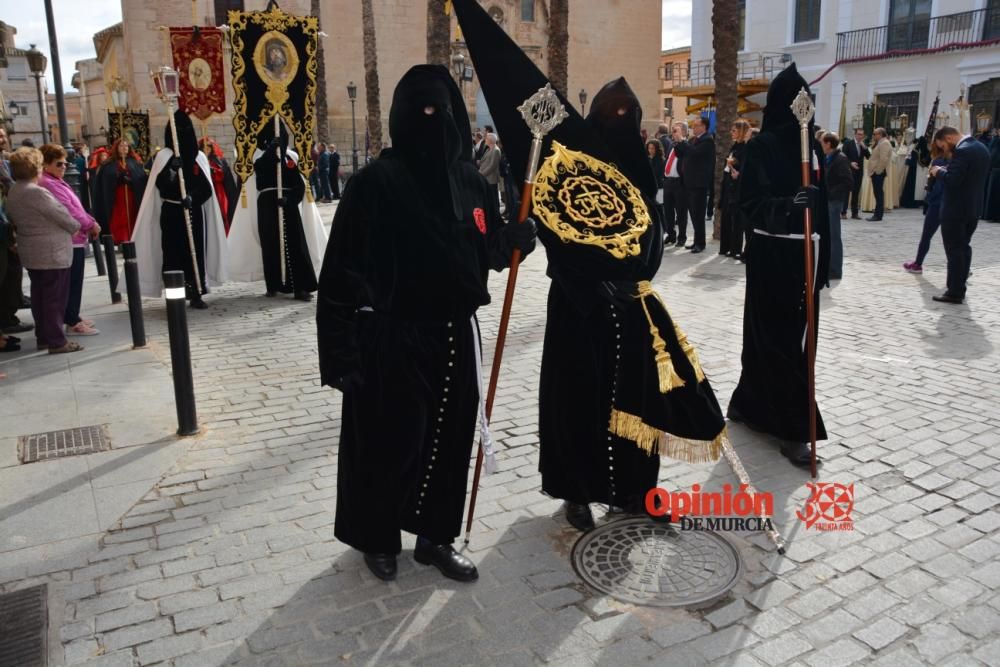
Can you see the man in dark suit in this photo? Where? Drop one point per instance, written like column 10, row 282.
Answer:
column 334, row 170
column 964, row 180
column 674, row 198
column 698, row 170
column 663, row 136
column 856, row 153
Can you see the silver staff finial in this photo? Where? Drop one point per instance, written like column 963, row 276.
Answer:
column 543, row 111
column 803, row 107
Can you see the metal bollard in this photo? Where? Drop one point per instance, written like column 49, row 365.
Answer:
column 95, row 247
column 180, row 352
column 134, row 295
column 109, row 255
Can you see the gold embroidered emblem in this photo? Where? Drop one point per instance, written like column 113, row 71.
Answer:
column 584, row 200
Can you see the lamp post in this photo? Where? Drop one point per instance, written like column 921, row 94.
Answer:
column 352, row 94
column 37, row 63
column 983, row 122
column 458, row 66
column 583, row 102
column 119, row 100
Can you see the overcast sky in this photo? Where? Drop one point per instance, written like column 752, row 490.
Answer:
column 78, row 20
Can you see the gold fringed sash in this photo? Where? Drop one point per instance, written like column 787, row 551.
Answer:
column 655, row 441
column 669, row 379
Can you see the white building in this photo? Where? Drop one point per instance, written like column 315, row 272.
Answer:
column 19, row 105
column 896, row 53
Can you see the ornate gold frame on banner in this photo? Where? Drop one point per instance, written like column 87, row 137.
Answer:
column 275, row 22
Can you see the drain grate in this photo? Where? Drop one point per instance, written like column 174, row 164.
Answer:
column 638, row 560
column 58, row 444
column 23, row 627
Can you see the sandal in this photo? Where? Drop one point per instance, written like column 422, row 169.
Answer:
column 68, row 347
column 81, row 329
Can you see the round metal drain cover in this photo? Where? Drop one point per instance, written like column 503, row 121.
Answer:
column 641, row 561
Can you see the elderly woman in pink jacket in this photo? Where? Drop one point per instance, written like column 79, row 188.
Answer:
column 45, row 244
column 53, row 170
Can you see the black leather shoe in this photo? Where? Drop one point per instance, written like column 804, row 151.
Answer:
column 799, row 453
column 873, row 219
column 680, row 243
column 669, row 240
column 855, row 217
column 382, row 566
column 198, row 304
column 696, row 249
column 303, row 296
column 270, row 293
column 442, row 556
column 947, row 298
column 579, row 516
column 18, row 328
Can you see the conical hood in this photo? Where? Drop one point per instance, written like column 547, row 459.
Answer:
column 186, row 137
column 616, row 115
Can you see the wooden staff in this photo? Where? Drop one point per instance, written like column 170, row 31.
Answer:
column 803, row 109
column 187, row 213
column 281, row 209
column 541, row 112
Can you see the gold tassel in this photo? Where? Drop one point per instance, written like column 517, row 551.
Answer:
column 689, row 352
column 243, row 197
column 669, row 379
column 309, row 194
column 654, row 441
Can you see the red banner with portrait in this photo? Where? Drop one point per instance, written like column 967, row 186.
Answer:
column 197, row 56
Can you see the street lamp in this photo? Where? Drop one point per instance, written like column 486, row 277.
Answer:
column 37, row 63
column 352, row 94
column 857, row 122
column 119, row 100
column 583, row 102
column 983, row 122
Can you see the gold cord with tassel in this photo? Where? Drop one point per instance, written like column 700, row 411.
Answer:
column 669, row 379
column 689, row 352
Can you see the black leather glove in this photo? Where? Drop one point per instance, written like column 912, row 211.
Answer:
column 619, row 293
column 521, row 235
column 805, row 198
column 187, row 203
column 273, row 144
column 175, row 163
column 282, row 201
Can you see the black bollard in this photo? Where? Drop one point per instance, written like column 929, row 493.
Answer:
column 180, row 352
column 134, row 295
column 95, row 247
column 109, row 255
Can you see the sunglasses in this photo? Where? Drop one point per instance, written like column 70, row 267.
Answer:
column 61, row 164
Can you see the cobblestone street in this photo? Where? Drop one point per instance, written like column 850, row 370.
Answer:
column 230, row 557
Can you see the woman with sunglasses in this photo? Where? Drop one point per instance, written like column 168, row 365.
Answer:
column 53, row 171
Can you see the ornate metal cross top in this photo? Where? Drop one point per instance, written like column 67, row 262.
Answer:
column 803, row 107
column 543, row 111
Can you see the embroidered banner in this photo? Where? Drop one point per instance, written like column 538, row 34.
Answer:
column 197, row 54
column 274, row 73
column 134, row 126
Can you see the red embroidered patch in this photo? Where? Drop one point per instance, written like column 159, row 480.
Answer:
column 480, row 216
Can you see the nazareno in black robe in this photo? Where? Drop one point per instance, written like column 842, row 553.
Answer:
column 173, row 227
column 405, row 270
column 299, row 273
column 772, row 392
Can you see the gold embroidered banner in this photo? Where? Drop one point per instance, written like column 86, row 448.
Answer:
column 274, row 73
column 197, row 54
column 134, row 125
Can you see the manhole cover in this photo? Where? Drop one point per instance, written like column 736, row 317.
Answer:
column 23, row 627
column 68, row 442
column 641, row 561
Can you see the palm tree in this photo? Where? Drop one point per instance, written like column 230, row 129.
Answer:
column 559, row 45
column 725, row 35
column 371, row 77
column 322, row 117
column 438, row 33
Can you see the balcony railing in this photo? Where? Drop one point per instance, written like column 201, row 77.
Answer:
column 913, row 36
column 761, row 66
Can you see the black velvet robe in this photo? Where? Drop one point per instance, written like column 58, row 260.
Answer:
column 399, row 289
column 908, row 197
column 771, row 395
column 173, row 228
column 299, row 273
column 732, row 225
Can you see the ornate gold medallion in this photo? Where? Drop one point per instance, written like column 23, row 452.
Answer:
column 584, row 200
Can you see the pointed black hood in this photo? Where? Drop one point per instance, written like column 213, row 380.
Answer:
column 186, row 137
column 616, row 115
column 508, row 77
column 778, row 116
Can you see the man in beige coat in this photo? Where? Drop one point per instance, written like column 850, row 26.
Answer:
column 878, row 165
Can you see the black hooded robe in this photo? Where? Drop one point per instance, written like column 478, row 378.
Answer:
column 405, row 270
column 173, row 227
column 299, row 275
column 772, row 392
column 991, row 200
